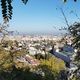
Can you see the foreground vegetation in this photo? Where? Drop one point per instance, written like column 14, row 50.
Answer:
column 49, row 68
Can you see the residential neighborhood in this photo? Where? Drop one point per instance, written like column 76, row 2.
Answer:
column 29, row 51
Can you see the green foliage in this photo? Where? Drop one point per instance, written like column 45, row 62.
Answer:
column 19, row 74
column 51, row 68
column 5, row 60
column 54, row 64
column 11, row 70
column 48, row 73
column 24, row 1
column 7, row 7
column 75, row 32
column 67, row 0
column 7, row 57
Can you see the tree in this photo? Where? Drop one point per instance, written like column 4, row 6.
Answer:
column 7, row 7
column 75, row 32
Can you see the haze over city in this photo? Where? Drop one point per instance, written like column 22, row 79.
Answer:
column 39, row 40
column 42, row 16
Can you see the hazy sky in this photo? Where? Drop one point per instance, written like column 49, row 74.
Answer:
column 42, row 15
